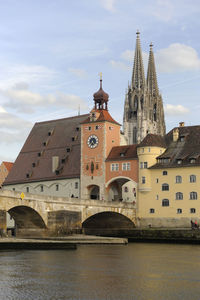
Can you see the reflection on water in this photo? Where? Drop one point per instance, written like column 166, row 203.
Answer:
column 135, row 271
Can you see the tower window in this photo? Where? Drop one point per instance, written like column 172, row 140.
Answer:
column 165, row 187
column 165, row 202
column 155, row 112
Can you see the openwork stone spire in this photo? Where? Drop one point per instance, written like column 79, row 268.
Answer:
column 152, row 84
column 138, row 78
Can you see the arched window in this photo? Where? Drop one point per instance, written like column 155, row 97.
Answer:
column 179, row 196
column 126, row 189
column 135, row 103
column 155, row 112
column 164, row 173
column 142, row 102
column 178, row 179
column 165, row 202
column 165, row 187
column 192, row 178
column 193, row 195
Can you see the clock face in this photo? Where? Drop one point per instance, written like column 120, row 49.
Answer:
column 92, row 141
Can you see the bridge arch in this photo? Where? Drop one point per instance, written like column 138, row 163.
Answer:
column 26, row 217
column 106, row 222
column 121, row 188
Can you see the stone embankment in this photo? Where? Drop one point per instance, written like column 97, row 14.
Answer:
column 61, row 243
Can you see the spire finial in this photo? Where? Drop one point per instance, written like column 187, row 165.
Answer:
column 151, row 46
column 100, row 75
column 138, row 34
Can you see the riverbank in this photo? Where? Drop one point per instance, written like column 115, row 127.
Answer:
column 57, row 243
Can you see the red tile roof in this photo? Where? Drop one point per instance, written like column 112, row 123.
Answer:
column 47, row 139
column 123, row 153
column 8, row 165
column 104, row 116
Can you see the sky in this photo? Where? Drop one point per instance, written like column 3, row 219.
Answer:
column 52, row 51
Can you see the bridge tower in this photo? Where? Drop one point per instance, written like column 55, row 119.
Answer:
column 99, row 133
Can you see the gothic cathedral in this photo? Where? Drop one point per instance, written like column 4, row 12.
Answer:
column 143, row 107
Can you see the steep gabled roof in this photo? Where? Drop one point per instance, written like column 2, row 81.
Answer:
column 123, row 153
column 104, row 115
column 153, row 140
column 47, row 139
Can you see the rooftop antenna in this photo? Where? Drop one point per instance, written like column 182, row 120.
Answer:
column 79, row 110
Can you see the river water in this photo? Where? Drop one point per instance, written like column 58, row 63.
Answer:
column 135, row 271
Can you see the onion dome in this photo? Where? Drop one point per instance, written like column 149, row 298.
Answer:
column 101, row 98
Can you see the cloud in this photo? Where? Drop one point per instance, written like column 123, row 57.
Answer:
column 163, row 10
column 78, row 72
column 13, row 129
column 176, row 58
column 173, row 110
column 120, row 65
column 108, row 4
column 19, row 73
column 25, row 101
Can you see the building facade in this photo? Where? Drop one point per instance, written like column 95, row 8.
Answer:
column 143, row 107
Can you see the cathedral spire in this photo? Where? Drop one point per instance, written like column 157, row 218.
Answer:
column 138, row 78
column 152, row 84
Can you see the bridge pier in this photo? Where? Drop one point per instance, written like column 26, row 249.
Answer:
column 3, row 224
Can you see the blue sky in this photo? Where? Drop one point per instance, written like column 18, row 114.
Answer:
column 51, row 53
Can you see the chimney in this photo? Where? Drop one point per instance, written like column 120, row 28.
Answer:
column 175, row 135
column 55, row 163
column 181, row 124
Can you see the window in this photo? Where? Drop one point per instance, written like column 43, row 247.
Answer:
column 157, row 197
column 182, row 138
column 89, row 128
column 141, row 165
column 192, row 160
column 179, row 210
column 57, row 187
column 192, row 210
column 192, row 178
column 145, row 165
column 97, row 127
column 114, row 167
column 165, row 202
column 164, row 173
column 178, row 179
column 152, row 211
column 27, row 189
column 126, row 166
column 13, row 189
column 41, row 188
column 179, row 196
column 165, row 187
column 143, row 179
column 179, row 161
column 157, row 180
column 76, row 185
column 193, row 195
column 126, row 189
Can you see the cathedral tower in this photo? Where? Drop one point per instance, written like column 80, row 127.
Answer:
column 143, row 108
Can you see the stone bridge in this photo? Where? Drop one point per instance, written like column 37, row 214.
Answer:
column 36, row 214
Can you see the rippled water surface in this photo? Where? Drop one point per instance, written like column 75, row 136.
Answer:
column 135, row 271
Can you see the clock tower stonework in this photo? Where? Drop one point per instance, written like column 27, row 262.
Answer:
column 99, row 134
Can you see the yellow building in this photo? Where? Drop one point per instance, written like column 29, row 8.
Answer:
column 169, row 178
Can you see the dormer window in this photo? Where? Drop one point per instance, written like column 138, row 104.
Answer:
column 122, row 154
column 182, row 138
column 179, row 161
column 192, row 160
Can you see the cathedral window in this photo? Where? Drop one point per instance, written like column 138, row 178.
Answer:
column 141, row 102
column 155, row 112
column 178, row 179
column 179, row 196
column 135, row 103
column 193, row 195
column 192, row 178
column 165, row 202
